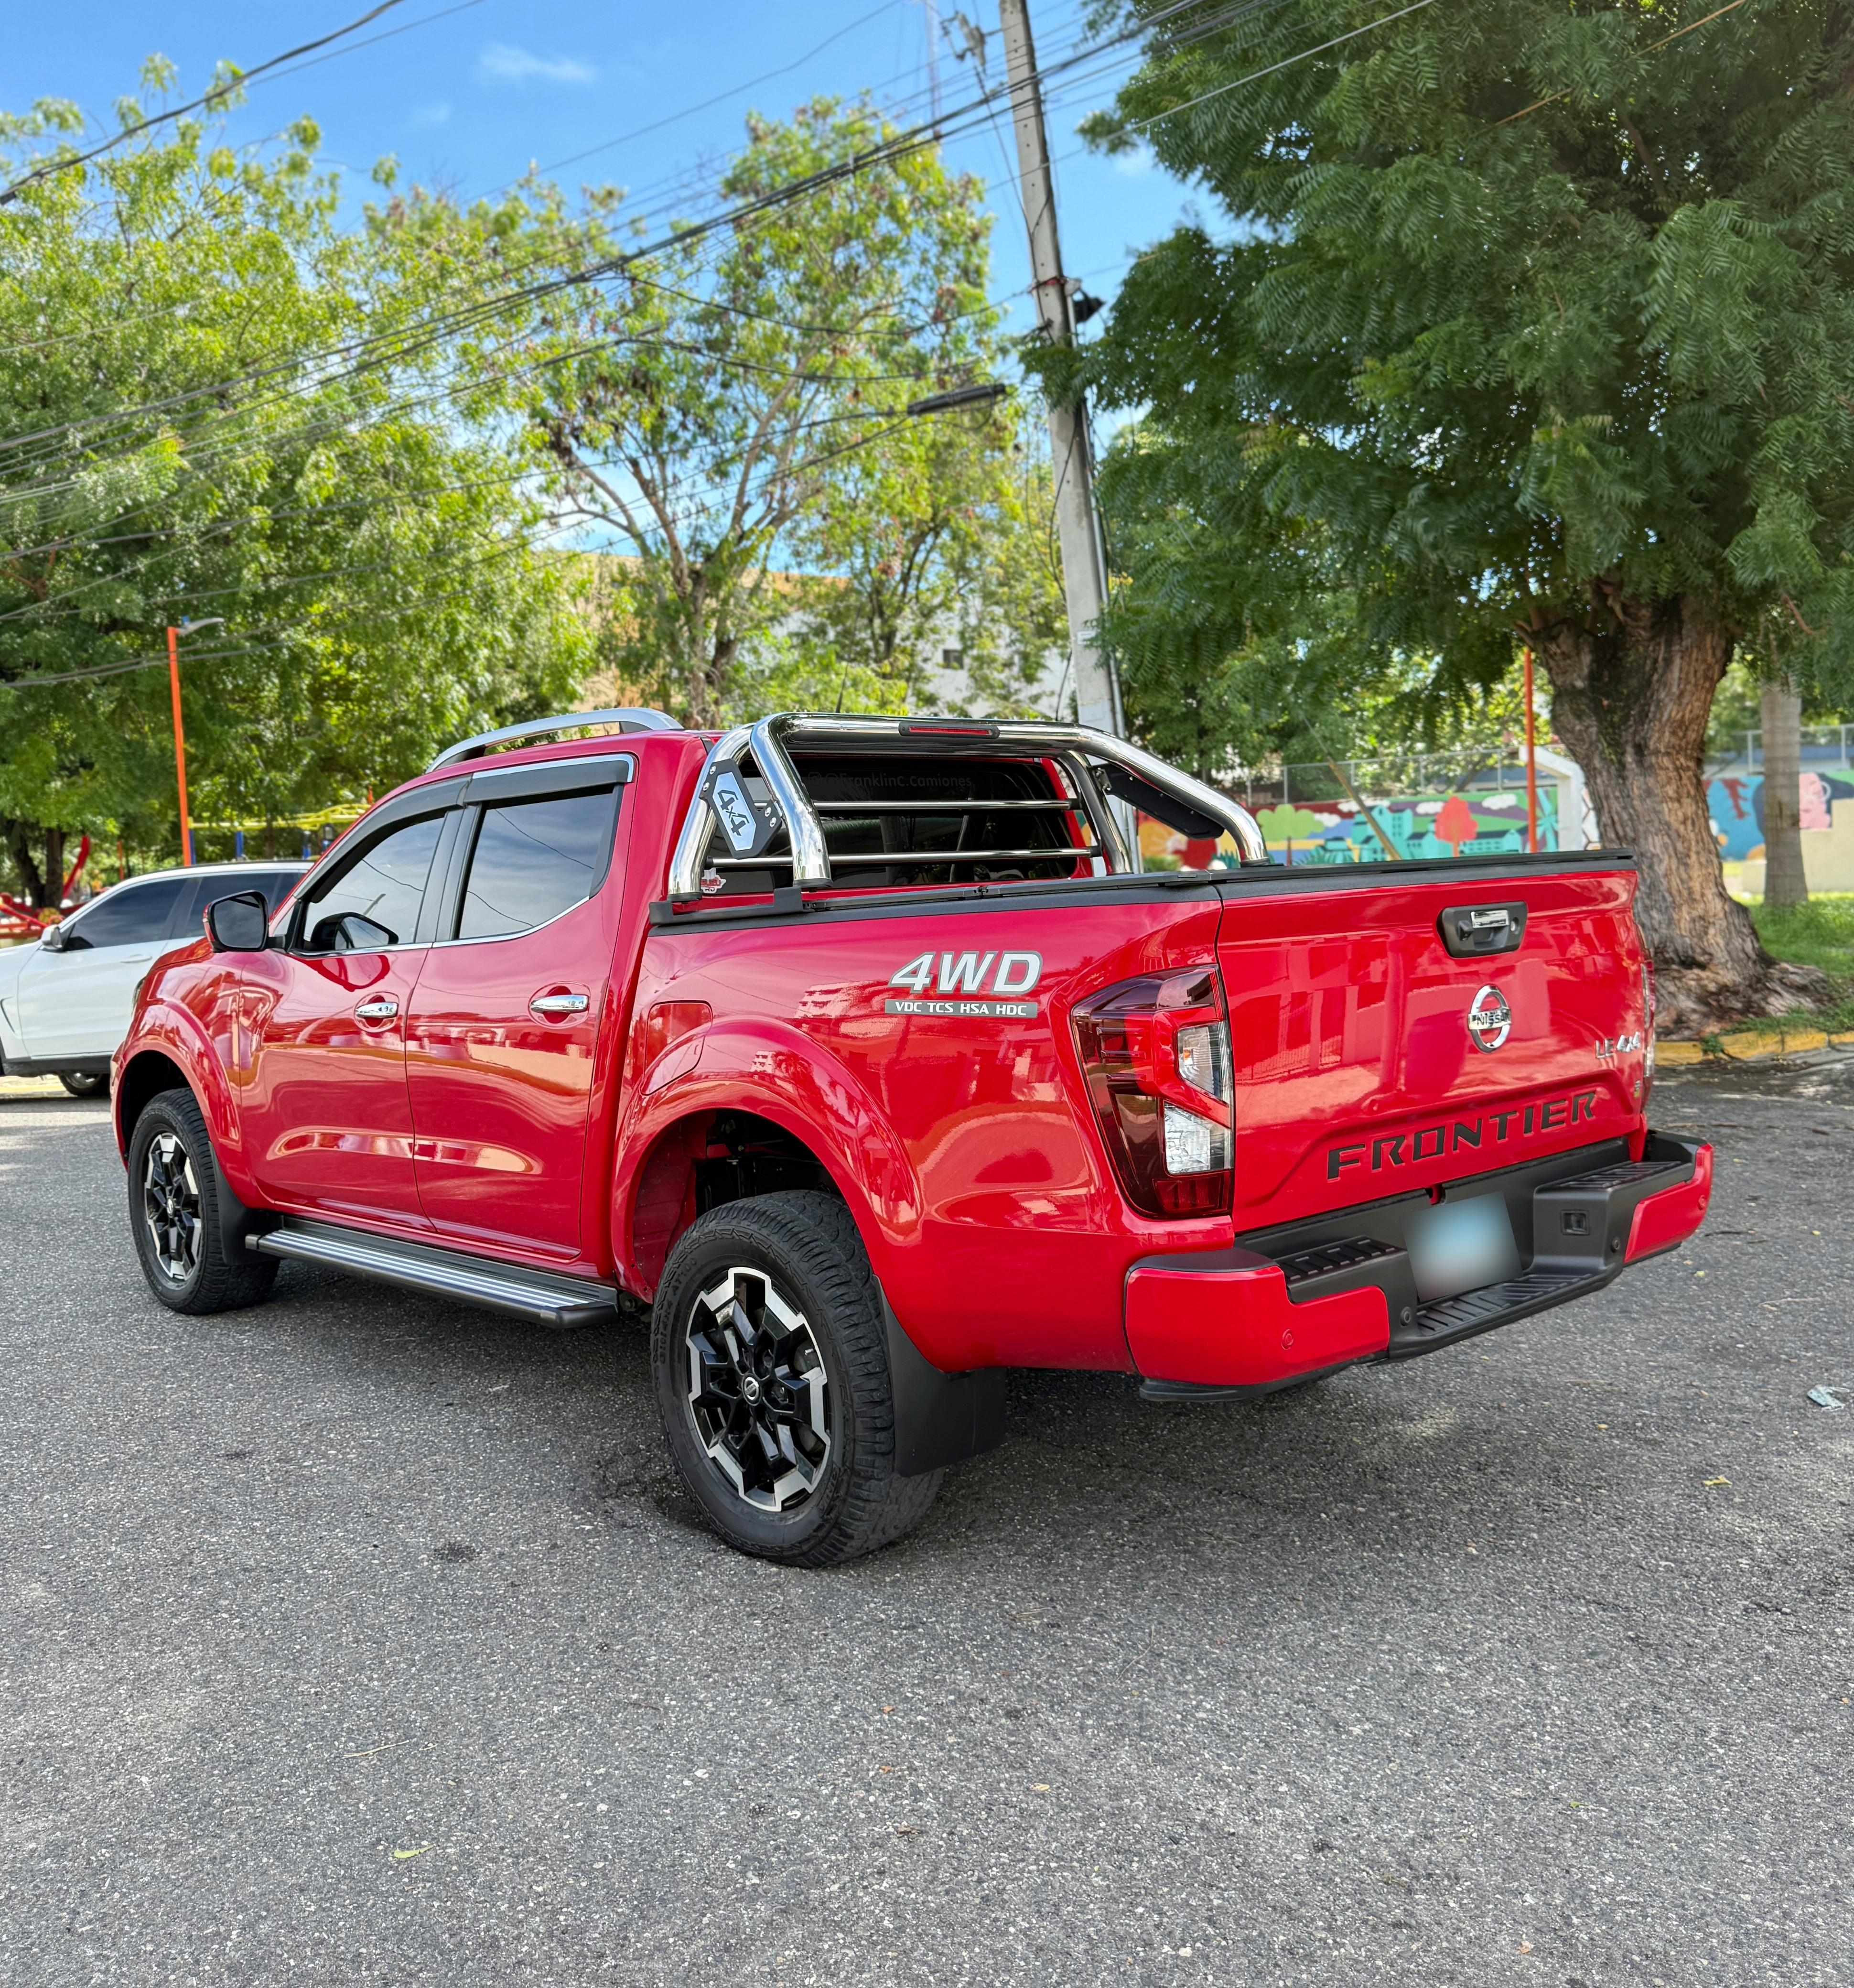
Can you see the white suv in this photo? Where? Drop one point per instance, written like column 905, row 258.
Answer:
column 65, row 1000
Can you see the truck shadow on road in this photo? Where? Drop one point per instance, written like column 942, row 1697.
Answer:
column 1463, row 1456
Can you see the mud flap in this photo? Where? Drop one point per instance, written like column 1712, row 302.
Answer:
column 940, row 1418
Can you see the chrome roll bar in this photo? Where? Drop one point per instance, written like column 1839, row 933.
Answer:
column 540, row 727
column 770, row 743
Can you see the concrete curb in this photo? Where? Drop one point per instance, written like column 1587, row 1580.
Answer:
column 1748, row 1046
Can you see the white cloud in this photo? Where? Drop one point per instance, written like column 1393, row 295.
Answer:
column 499, row 62
column 1134, row 164
column 431, row 114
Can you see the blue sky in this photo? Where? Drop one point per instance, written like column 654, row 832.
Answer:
column 468, row 95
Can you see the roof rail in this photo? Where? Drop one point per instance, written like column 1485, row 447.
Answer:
column 769, row 742
column 538, row 727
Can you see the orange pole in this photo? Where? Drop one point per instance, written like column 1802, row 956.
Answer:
column 180, row 744
column 1531, row 762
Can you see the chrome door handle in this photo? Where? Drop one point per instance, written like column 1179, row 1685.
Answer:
column 559, row 1004
column 377, row 1011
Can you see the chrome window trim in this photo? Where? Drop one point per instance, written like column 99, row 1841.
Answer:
column 1071, row 745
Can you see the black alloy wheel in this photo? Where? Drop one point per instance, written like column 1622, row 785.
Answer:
column 174, row 1205
column 171, row 1208
column 758, row 1394
column 84, row 1083
column 769, row 1354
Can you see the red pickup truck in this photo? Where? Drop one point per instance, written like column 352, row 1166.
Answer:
column 866, row 1052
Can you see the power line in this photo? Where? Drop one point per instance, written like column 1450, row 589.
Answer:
column 217, row 94
column 1288, row 61
column 708, row 103
column 1558, row 95
column 891, row 150
column 898, row 145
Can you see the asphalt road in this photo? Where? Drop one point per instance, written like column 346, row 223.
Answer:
column 363, row 1639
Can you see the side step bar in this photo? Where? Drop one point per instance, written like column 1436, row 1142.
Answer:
column 561, row 1303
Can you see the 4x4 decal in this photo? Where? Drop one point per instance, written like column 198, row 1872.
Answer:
column 956, row 987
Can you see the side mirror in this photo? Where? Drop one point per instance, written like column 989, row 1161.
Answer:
column 240, row 923
column 51, row 939
column 348, row 932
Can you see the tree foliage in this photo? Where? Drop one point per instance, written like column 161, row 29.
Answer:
column 216, row 404
column 1527, row 322
column 711, row 409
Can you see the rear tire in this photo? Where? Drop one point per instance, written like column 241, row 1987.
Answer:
column 771, row 1367
column 84, row 1083
column 173, row 1215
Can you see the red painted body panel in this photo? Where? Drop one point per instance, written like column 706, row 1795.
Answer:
column 1235, row 1325
column 993, row 1220
column 1664, row 1221
column 325, row 1120
column 964, row 1145
column 1351, row 1052
column 499, row 1094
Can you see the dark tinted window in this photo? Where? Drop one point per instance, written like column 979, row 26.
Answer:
column 276, row 885
column 385, row 886
column 130, row 914
column 534, row 859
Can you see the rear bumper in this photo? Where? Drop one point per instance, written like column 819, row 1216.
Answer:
column 1321, row 1295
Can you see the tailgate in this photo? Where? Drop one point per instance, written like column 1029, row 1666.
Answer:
column 1357, row 1073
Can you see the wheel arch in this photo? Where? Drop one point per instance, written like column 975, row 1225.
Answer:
column 141, row 1079
column 814, row 1112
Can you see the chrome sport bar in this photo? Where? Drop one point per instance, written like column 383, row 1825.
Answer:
column 769, row 744
column 541, row 728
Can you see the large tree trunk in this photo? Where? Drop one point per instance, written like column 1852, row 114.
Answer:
column 1631, row 693
column 1784, row 880
column 32, row 878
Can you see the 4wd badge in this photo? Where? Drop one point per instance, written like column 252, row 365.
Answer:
column 1490, row 1020
column 957, row 987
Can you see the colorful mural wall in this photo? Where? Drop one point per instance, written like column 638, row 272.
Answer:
column 1418, row 825
column 1736, row 801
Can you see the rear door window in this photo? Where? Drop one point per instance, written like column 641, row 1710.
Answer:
column 129, row 914
column 534, row 860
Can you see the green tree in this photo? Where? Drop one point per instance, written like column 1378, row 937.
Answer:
column 1531, row 323
column 215, row 404
column 694, row 405
column 938, row 539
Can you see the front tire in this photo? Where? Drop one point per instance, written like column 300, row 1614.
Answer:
column 771, row 1367
column 84, row 1083
column 173, row 1215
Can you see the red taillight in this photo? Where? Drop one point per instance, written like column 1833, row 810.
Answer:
column 1155, row 1054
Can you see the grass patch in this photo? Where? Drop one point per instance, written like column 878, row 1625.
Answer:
column 1821, row 934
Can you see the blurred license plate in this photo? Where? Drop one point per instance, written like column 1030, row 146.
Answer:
column 1459, row 1245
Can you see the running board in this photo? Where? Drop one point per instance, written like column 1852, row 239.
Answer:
column 561, row 1303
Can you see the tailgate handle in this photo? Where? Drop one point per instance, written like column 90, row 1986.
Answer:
column 1471, row 931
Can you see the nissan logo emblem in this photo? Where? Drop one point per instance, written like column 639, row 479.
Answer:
column 1490, row 1020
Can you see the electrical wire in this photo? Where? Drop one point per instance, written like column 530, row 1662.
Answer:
column 900, row 145
column 217, row 95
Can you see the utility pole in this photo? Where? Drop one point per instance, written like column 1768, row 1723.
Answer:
column 932, row 9
column 1097, row 692
column 180, row 742
column 180, row 736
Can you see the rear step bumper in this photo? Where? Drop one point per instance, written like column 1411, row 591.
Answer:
column 561, row 1303
column 1304, row 1300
